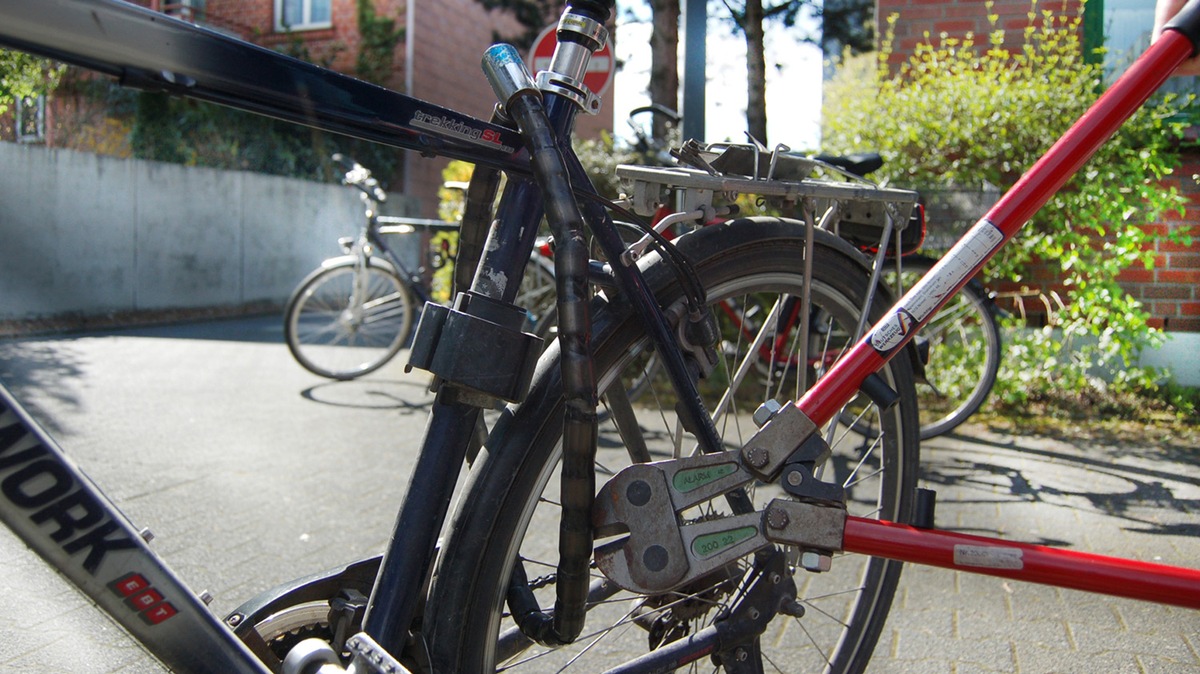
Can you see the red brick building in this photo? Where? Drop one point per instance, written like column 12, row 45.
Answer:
column 436, row 59
column 1171, row 290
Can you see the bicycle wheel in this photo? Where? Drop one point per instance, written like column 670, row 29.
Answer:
column 963, row 342
column 511, row 502
column 333, row 335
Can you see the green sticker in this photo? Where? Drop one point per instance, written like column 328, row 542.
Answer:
column 711, row 544
column 694, row 478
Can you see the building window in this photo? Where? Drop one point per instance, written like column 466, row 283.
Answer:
column 302, row 14
column 31, row 119
column 1124, row 31
column 188, row 10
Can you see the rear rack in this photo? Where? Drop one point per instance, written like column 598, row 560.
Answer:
column 779, row 178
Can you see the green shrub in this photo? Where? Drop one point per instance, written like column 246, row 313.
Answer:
column 962, row 113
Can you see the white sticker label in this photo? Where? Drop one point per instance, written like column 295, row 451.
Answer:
column 988, row 557
column 930, row 292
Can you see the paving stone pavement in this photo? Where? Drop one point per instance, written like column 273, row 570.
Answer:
column 1138, row 501
column 137, row 410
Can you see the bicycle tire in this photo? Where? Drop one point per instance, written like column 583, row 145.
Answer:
column 463, row 616
column 330, row 338
column 964, row 349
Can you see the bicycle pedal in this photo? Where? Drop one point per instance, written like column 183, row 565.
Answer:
column 378, row 660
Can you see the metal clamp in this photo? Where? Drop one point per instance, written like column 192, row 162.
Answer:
column 779, row 436
column 570, row 61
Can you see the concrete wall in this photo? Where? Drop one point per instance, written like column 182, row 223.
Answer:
column 83, row 234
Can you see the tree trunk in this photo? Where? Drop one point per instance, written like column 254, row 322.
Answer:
column 756, row 71
column 664, row 60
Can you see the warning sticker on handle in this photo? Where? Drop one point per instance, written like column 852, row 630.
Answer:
column 988, row 557
column 932, row 291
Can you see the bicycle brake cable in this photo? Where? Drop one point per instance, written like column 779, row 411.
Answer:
column 682, row 267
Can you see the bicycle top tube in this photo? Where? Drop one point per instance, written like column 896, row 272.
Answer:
column 148, row 49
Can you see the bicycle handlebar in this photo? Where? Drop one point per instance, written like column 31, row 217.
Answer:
column 360, row 176
column 657, row 109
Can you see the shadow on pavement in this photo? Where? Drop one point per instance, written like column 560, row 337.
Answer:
column 1133, row 485
column 370, row 393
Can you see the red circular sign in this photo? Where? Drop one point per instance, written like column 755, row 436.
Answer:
column 599, row 71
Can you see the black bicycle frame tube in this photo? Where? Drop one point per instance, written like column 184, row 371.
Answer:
column 147, row 49
column 410, row 554
column 410, row 278
column 510, row 241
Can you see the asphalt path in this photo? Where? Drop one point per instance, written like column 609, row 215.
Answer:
column 251, row 472
column 248, row 470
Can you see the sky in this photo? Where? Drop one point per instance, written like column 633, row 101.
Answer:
column 793, row 89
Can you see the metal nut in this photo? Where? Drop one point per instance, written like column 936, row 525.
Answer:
column 815, row 561
column 765, row 411
column 777, row 518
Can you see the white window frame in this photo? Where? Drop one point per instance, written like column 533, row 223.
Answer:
column 38, row 110
column 306, row 22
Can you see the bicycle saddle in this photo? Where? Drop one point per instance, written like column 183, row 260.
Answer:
column 860, row 164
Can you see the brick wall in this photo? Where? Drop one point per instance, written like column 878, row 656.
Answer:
column 450, row 38
column 956, row 18
column 1169, row 290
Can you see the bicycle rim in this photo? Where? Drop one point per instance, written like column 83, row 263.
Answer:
column 513, row 501
column 963, row 342
column 335, row 334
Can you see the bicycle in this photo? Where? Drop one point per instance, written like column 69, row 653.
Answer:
column 709, row 557
column 959, row 351
column 961, row 348
column 353, row 314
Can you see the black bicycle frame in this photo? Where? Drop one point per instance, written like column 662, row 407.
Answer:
column 412, row 277
column 56, row 510
column 147, row 49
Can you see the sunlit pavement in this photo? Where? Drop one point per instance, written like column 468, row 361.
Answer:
column 251, row 471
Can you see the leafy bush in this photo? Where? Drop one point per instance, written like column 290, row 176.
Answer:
column 961, row 113
column 24, row 75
